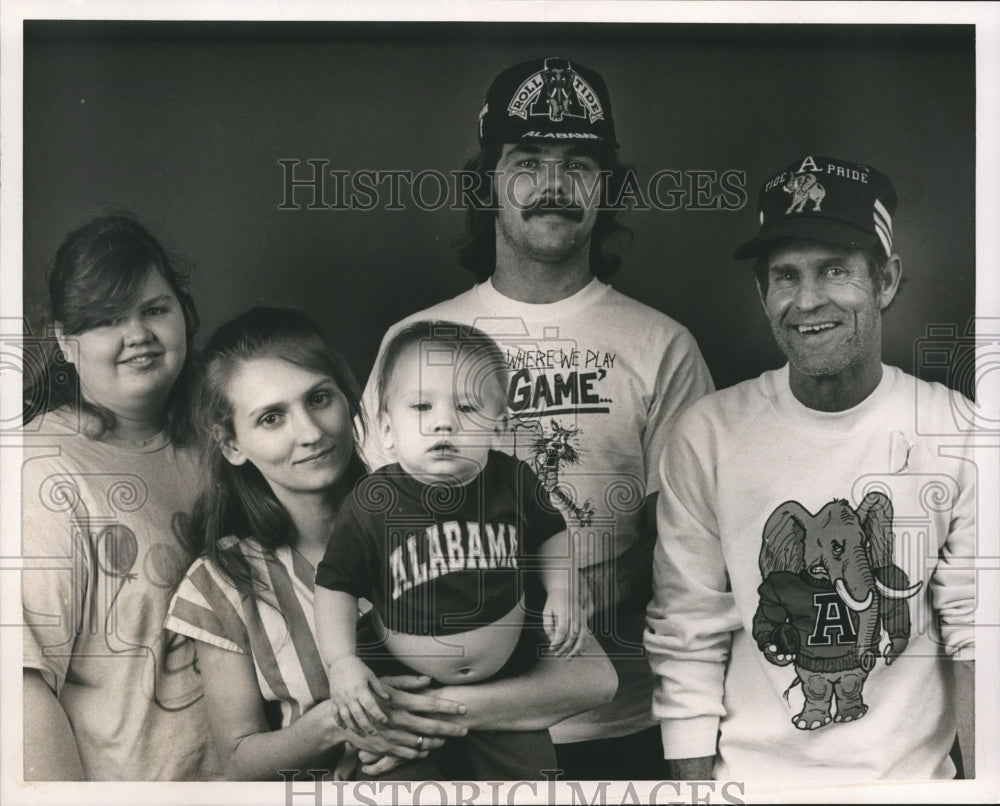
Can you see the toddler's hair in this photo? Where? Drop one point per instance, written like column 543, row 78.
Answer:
column 471, row 350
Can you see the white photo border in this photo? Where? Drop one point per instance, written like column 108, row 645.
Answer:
column 985, row 17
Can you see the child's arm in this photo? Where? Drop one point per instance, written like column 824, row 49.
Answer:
column 351, row 681
column 568, row 602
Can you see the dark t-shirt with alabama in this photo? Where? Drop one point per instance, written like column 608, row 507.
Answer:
column 440, row 559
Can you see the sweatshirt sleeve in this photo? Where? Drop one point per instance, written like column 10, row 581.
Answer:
column 953, row 582
column 693, row 614
column 681, row 378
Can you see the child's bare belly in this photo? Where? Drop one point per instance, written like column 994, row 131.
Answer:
column 465, row 657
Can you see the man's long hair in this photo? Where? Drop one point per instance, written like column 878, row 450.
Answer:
column 609, row 239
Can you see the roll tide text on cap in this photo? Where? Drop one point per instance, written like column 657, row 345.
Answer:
column 547, row 100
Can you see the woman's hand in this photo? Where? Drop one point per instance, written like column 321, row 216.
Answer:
column 374, row 765
column 386, row 741
column 401, row 745
column 417, row 723
column 409, row 707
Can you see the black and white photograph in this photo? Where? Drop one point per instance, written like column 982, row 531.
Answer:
column 555, row 402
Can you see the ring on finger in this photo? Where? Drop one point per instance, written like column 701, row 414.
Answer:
column 420, row 742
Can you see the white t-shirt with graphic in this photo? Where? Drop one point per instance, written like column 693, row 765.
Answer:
column 595, row 382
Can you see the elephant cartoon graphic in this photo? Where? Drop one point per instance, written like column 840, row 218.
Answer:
column 830, row 587
column 804, row 188
column 558, row 84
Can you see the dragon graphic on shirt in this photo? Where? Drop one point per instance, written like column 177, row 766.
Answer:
column 830, row 588
column 551, row 450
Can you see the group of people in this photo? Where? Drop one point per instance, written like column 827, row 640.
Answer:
column 489, row 565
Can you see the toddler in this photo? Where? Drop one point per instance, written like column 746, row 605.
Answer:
column 445, row 543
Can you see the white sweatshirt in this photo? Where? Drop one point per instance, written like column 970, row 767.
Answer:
column 736, row 458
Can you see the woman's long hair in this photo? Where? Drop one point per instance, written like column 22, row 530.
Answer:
column 236, row 500
column 477, row 249
column 99, row 270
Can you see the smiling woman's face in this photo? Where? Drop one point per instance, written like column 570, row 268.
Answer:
column 292, row 424
column 129, row 363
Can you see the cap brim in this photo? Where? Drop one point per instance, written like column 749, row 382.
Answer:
column 565, row 137
column 521, row 134
column 825, row 230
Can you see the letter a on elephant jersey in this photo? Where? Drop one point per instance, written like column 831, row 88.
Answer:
column 833, row 622
column 824, row 602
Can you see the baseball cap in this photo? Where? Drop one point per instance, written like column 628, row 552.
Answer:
column 548, row 100
column 824, row 199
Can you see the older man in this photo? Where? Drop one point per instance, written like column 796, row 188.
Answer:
column 596, row 378
column 812, row 619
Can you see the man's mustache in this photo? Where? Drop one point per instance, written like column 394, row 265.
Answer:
column 572, row 212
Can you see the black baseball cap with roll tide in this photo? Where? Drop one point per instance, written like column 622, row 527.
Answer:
column 547, row 100
column 824, row 199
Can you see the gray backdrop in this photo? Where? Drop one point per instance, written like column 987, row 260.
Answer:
column 184, row 124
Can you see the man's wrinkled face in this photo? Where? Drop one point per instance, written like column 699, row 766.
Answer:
column 824, row 307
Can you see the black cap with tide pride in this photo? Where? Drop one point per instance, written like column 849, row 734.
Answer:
column 549, row 100
column 824, row 199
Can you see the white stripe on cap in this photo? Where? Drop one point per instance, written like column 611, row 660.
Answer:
column 884, row 237
column 883, row 226
column 882, row 216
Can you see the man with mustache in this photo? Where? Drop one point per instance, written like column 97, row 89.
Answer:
column 596, row 378
column 814, row 605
